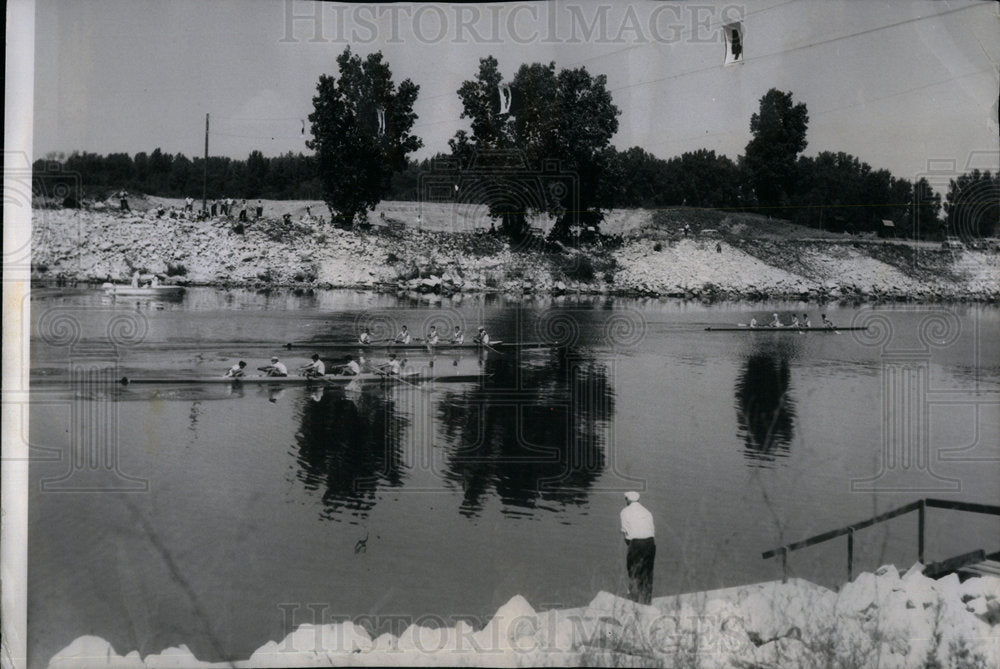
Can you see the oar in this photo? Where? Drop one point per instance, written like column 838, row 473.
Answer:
column 490, row 347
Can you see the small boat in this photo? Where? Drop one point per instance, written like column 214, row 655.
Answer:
column 783, row 328
column 412, row 377
column 142, row 291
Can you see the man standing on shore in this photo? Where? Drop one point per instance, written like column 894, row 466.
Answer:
column 638, row 530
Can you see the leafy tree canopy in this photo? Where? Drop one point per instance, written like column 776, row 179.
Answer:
column 361, row 126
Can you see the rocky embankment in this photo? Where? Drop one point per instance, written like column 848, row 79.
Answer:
column 101, row 245
column 881, row 619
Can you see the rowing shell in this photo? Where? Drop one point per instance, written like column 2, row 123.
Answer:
column 783, row 328
column 416, row 347
column 301, row 380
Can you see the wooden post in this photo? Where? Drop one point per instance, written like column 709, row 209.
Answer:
column 204, row 181
column 921, row 520
column 850, row 554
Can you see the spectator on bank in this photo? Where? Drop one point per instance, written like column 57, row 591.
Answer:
column 260, row 209
column 123, row 200
column 243, row 211
column 189, row 204
column 215, row 207
column 638, row 530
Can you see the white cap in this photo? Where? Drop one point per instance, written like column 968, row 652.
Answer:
column 274, row 358
column 632, row 496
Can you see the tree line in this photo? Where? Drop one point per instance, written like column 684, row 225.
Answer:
column 540, row 142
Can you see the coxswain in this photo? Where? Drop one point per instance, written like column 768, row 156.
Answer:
column 458, row 337
column 237, row 370
column 314, row 368
column 403, row 337
column 776, row 323
column 432, row 336
column 482, row 337
column 276, row 368
column 827, row 323
column 365, row 337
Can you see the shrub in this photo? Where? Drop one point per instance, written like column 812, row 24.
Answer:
column 176, row 270
column 658, row 246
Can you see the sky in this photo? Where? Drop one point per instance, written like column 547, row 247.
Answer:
column 908, row 85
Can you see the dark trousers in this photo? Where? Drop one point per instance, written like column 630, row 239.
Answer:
column 641, row 555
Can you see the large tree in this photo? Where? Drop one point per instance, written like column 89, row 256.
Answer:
column 779, row 136
column 361, row 127
column 538, row 143
column 972, row 204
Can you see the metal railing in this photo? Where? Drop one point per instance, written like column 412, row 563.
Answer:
column 920, row 506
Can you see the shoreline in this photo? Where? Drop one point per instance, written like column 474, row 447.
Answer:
column 883, row 618
column 744, row 257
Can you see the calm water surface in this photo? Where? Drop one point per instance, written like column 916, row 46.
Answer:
column 220, row 517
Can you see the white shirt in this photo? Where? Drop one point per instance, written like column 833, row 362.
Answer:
column 483, row 338
column 365, row 338
column 394, row 366
column 316, row 367
column 235, row 370
column 353, row 367
column 278, row 369
column 403, row 337
column 457, row 338
column 432, row 338
column 637, row 522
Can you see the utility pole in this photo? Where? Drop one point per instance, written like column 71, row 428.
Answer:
column 204, row 182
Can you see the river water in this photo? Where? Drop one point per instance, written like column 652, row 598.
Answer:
column 222, row 517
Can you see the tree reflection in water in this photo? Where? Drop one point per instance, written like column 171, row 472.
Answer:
column 534, row 432
column 348, row 447
column 765, row 409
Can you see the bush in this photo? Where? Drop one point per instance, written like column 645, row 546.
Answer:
column 391, row 258
column 658, row 246
column 176, row 270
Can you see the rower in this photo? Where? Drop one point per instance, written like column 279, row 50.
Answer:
column 365, row 338
column 753, row 322
column 403, row 337
column 458, row 337
column 827, row 323
column 314, row 369
column 805, row 319
column 776, row 323
column 135, row 279
column 795, row 321
column 351, row 367
column 391, row 367
column 276, row 368
column 237, row 370
column 432, row 336
column 482, row 337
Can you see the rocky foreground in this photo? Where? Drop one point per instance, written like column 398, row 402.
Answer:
column 881, row 619
column 742, row 257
